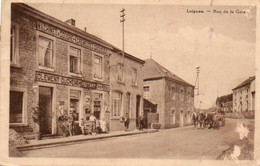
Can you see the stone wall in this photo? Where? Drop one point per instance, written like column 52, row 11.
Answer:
column 125, row 87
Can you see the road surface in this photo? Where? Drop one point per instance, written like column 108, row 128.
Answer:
column 169, row 144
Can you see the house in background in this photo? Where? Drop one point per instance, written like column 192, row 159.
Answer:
column 168, row 95
column 126, row 90
column 244, row 96
column 225, row 102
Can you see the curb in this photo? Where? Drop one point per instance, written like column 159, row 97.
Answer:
column 66, row 142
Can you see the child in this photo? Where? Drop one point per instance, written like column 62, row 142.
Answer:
column 71, row 124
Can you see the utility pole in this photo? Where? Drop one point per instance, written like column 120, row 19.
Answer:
column 122, row 20
column 197, row 86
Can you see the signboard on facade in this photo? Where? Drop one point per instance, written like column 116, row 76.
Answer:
column 70, row 38
column 56, row 79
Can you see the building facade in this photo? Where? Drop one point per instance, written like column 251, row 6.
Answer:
column 63, row 69
column 126, row 90
column 228, row 106
column 225, row 102
column 168, row 95
column 244, row 96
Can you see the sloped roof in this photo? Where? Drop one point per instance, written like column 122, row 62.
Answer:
column 75, row 29
column 246, row 82
column 153, row 70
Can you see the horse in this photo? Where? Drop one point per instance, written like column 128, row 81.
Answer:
column 216, row 121
column 201, row 118
column 195, row 119
column 209, row 120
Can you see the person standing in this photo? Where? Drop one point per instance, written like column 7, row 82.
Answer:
column 82, row 126
column 141, row 122
column 93, row 119
column 71, row 124
column 126, row 121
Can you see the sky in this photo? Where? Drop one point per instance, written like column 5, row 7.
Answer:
column 223, row 45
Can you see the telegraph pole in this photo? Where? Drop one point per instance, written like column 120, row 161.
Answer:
column 122, row 20
column 197, row 86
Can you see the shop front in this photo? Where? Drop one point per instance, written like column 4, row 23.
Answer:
column 58, row 96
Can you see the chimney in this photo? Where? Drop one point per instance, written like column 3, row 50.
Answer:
column 71, row 22
column 85, row 29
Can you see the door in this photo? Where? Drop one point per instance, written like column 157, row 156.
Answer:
column 173, row 116
column 137, row 108
column 45, row 107
column 97, row 105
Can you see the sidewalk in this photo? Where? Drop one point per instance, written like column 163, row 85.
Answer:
column 37, row 144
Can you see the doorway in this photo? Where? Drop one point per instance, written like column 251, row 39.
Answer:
column 45, row 107
column 138, row 100
column 173, row 116
column 97, row 105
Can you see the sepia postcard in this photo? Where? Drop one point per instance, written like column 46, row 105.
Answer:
column 129, row 83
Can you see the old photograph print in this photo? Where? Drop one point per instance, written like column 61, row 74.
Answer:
column 130, row 81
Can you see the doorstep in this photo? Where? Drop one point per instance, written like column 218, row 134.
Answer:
column 38, row 144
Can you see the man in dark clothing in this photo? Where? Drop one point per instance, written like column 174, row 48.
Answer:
column 141, row 122
column 126, row 121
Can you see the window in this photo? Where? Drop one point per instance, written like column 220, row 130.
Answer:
column 16, row 107
column 172, row 92
column 97, row 64
column 120, row 73
column 147, row 91
column 75, row 60
column 45, row 52
column 182, row 94
column 116, row 103
column 128, row 104
column 134, row 76
column 14, row 44
column 173, row 116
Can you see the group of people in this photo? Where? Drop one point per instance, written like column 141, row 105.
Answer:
column 141, row 122
column 208, row 120
column 94, row 126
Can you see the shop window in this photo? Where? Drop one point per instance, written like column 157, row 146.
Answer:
column 134, row 76
column 16, row 107
column 120, row 73
column 116, row 104
column 75, row 60
column 147, row 91
column 97, row 65
column 45, row 52
column 14, row 44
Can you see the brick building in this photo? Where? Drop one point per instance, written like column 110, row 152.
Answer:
column 168, row 95
column 244, row 96
column 61, row 69
column 126, row 89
